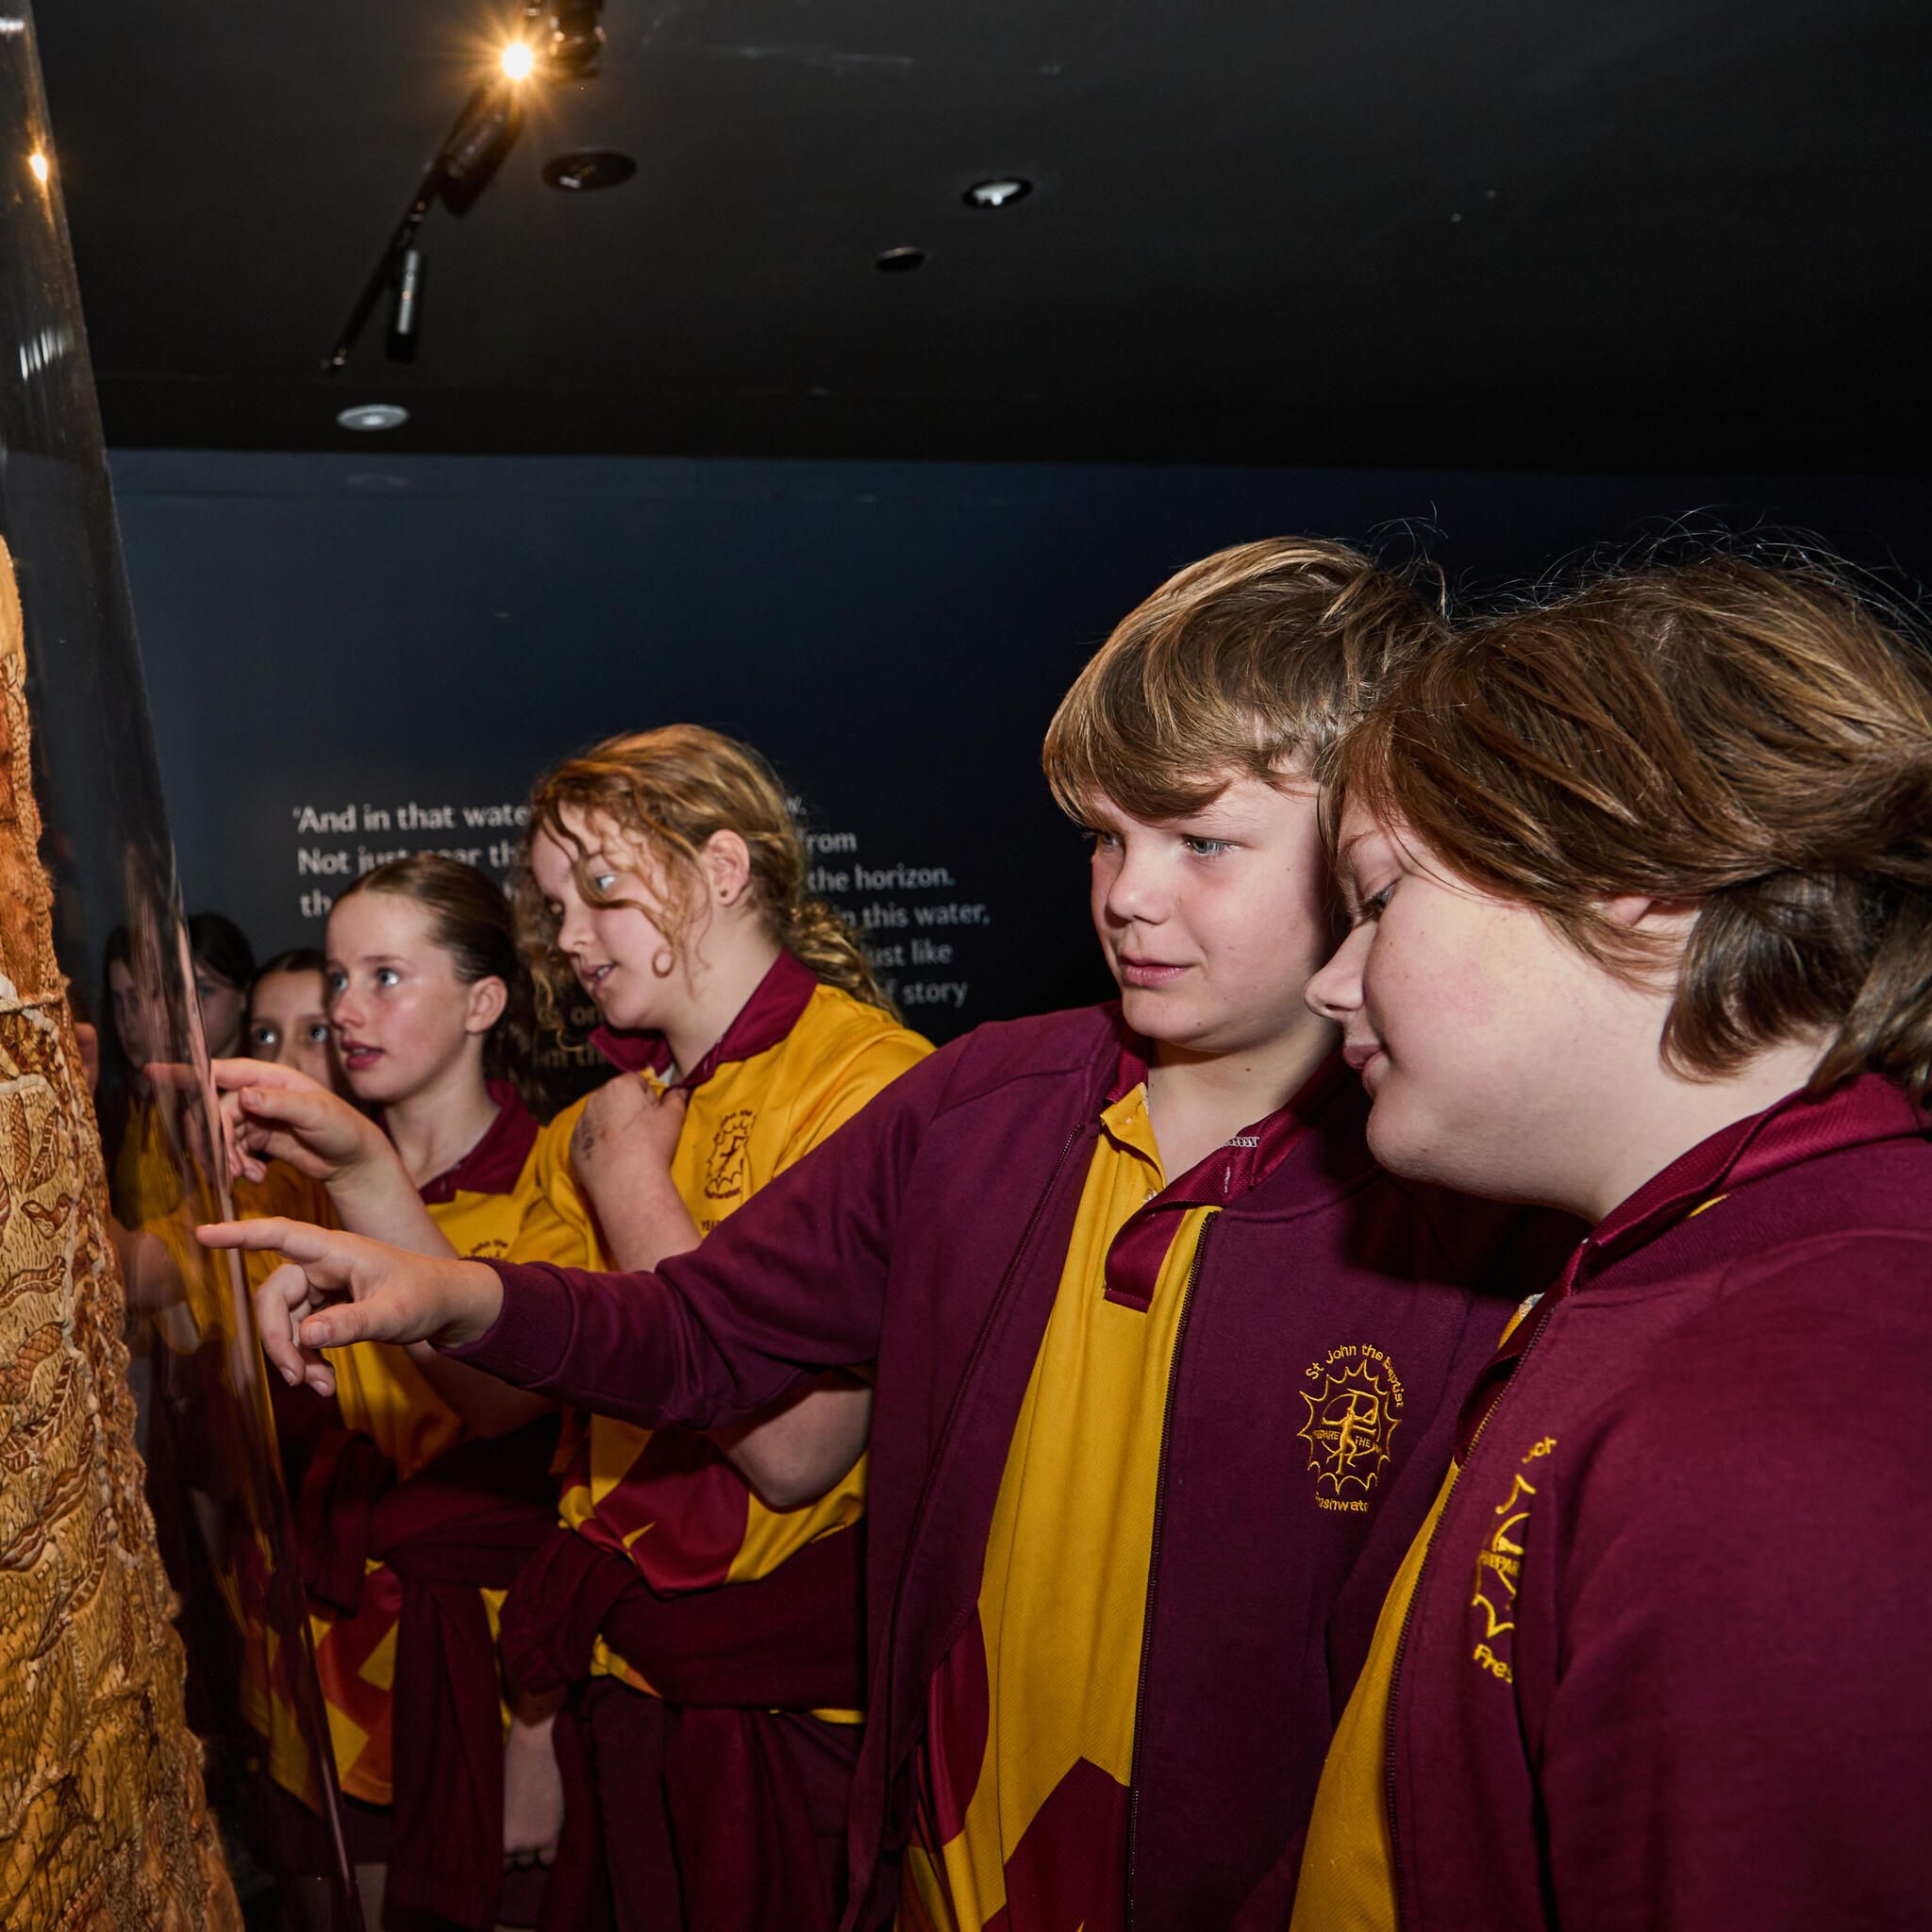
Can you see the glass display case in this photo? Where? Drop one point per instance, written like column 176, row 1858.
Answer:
column 117, row 1329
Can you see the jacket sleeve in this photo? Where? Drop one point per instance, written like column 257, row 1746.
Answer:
column 1740, row 1717
column 792, row 1284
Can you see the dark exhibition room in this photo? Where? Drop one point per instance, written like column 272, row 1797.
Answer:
column 1238, row 699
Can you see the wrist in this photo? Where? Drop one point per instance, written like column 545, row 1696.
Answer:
column 369, row 1170
column 470, row 1301
column 619, row 1172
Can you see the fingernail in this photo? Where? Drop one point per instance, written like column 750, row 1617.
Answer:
column 290, row 1377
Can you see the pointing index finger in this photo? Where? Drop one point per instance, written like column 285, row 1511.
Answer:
column 297, row 1240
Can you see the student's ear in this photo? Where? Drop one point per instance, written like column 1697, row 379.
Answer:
column 488, row 999
column 1665, row 918
column 726, row 861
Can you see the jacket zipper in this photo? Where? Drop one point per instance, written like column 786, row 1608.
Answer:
column 1174, row 1380
column 945, row 1436
column 1409, row 1617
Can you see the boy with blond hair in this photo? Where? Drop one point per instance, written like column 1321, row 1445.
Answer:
column 1166, row 1367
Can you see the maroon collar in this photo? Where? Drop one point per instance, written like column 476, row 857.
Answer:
column 493, row 1165
column 1136, row 1254
column 765, row 1019
column 1792, row 1130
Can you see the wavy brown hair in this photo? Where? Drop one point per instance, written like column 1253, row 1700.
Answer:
column 669, row 791
column 1752, row 741
column 471, row 920
column 1247, row 664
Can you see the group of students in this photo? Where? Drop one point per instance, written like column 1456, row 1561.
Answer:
column 1411, row 1416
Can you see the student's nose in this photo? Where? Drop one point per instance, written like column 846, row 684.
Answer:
column 1134, row 893
column 1336, row 991
column 574, row 928
column 344, row 1011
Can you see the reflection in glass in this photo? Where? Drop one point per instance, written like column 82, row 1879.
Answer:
column 191, row 1356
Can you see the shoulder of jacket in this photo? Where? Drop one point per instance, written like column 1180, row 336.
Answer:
column 1080, row 1042
column 1797, row 1362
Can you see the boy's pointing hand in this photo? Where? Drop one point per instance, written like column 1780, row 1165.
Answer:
column 335, row 1289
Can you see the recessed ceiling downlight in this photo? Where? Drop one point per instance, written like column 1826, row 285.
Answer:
column 1002, row 191
column 588, row 169
column 898, row 261
column 367, row 416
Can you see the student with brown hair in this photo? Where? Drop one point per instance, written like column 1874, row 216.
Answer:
column 1642, row 893
column 662, row 877
column 224, row 971
column 1163, row 1363
column 288, row 1016
column 419, row 1488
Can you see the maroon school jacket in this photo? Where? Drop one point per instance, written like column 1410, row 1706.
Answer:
column 1667, row 1664
column 1337, row 1317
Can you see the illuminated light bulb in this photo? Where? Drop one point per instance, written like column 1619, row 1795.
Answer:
column 38, row 162
column 519, row 62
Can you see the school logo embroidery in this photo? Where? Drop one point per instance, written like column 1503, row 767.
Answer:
column 725, row 1172
column 1499, row 1570
column 1354, row 1407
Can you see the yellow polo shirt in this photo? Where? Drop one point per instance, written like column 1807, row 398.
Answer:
column 668, row 1499
column 491, row 1204
column 1029, row 1748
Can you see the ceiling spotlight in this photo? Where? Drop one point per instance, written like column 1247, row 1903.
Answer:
column 588, row 169
column 557, row 40
column 37, row 163
column 897, row 261
column 1000, row 192
column 367, row 416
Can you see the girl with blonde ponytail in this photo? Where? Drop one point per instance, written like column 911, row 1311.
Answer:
column 663, row 876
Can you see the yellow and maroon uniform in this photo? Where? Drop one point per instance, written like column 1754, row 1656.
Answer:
column 1348, row 1868
column 799, row 1060
column 489, row 1205
column 1030, row 1749
column 667, row 1499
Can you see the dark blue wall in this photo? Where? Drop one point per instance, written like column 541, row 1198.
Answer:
column 325, row 631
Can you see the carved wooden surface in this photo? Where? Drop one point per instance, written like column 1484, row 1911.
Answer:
column 103, row 1820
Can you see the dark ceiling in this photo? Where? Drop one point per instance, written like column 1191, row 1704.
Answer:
column 1651, row 234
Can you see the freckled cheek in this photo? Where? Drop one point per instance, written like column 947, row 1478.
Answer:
column 1427, row 992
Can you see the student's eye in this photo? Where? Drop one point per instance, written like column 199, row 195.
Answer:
column 1101, row 840
column 262, row 1034
column 316, row 1033
column 1204, row 848
column 388, row 975
column 335, row 982
column 1373, row 906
